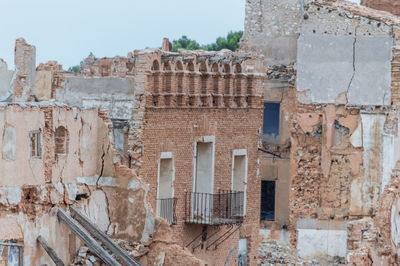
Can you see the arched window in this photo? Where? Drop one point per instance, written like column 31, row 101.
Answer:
column 214, row 70
column 227, row 71
column 167, row 77
column 238, row 85
column 204, row 78
column 156, row 79
column 204, row 81
column 215, row 84
column 190, row 67
column 238, row 79
column 179, row 76
column 61, row 140
column 179, row 83
column 250, row 85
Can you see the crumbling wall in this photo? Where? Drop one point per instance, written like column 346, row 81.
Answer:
column 271, row 28
column 347, row 72
column 391, row 6
column 219, row 97
column 343, row 131
column 5, row 80
column 25, row 65
column 28, row 200
column 108, row 67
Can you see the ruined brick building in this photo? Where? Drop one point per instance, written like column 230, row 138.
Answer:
column 176, row 133
column 391, row 6
column 193, row 157
column 330, row 160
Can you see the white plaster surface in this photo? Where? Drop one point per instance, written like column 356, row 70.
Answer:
column 111, row 93
column 329, row 65
column 388, row 161
column 356, row 137
column 369, row 182
column 395, row 223
column 9, row 143
column 98, row 210
column 284, row 235
column 5, row 80
column 14, row 195
column 313, row 242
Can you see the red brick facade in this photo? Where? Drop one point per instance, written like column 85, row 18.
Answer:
column 182, row 107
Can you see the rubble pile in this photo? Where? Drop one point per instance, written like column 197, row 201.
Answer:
column 87, row 258
column 273, row 252
column 134, row 249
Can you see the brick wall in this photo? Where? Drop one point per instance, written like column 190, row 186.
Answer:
column 177, row 130
column 395, row 86
column 392, row 6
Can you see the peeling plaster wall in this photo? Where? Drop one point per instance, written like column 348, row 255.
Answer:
column 82, row 157
column 115, row 94
column 271, row 29
column 25, row 70
column 17, row 168
column 343, row 134
column 117, row 198
column 335, row 63
column 392, row 6
column 5, row 80
column 365, row 189
column 318, row 238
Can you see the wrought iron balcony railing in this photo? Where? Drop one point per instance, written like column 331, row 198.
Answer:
column 166, row 209
column 223, row 207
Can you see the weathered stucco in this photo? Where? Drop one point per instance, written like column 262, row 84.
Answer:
column 338, row 87
column 115, row 94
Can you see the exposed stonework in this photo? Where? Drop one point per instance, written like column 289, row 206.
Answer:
column 101, row 150
column 391, row 6
column 341, row 115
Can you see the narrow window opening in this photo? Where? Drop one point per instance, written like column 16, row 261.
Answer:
column 156, row 78
column 271, row 122
column 61, row 141
column 267, row 200
column 120, row 133
column 167, row 77
column 35, row 144
column 239, row 184
column 204, row 160
column 166, row 201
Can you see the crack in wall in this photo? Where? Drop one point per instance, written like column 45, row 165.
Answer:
column 102, row 166
column 354, row 64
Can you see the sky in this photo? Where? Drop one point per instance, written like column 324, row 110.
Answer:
column 67, row 31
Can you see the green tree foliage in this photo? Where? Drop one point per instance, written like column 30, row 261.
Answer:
column 185, row 43
column 77, row 68
column 231, row 42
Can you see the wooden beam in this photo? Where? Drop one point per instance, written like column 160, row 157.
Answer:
column 53, row 255
column 102, row 237
column 89, row 241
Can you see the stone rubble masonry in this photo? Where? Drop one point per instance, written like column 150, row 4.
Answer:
column 88, row 176
column 342, row 143
column 167, row 101
column 25, row 67
column 391, row 6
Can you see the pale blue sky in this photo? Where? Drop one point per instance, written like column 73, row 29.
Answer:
column 67, row 31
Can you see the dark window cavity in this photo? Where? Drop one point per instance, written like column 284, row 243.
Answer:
column 267, row 200
column 271, row 122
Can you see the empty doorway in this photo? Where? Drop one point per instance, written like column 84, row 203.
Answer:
column 204, row 179
column 239, row 181
column 203, row 183
column 165, row 190
column 267, row 200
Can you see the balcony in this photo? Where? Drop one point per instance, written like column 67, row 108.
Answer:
column 224, row 207
column 166, row 209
